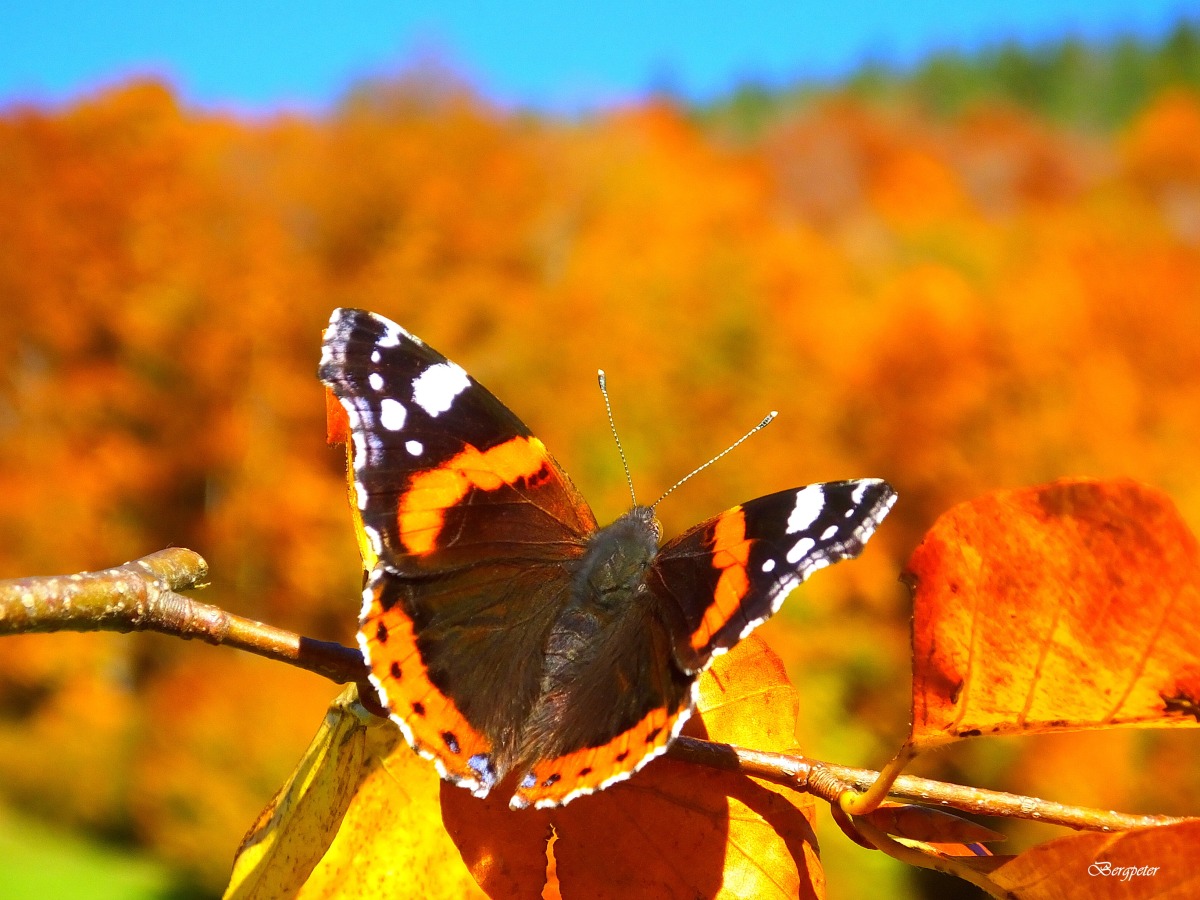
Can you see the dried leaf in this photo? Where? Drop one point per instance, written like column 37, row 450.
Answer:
column 974, row 856
column 932, row 826
column 297, row 826
column 391, row 842
column 1132, row 865
column 337, row 423
column 1066, row 606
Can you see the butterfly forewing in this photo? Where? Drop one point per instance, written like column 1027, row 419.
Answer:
column 432, row 447
column 721, row 579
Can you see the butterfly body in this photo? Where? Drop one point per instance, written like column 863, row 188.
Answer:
column 507, row 634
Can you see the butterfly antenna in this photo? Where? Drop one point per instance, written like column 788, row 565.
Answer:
column 759, row 427
column 613, row 426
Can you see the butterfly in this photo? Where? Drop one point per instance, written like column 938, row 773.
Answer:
column 507, row 634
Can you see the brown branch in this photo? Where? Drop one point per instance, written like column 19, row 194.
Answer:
column 141, row 596
column 829, row 780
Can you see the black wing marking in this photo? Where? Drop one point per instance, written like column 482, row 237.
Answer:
column 723, row 578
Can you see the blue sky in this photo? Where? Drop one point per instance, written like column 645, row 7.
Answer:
column 256, row 57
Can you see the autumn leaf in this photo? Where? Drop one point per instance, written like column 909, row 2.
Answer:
column 337, row 431
column 359, row 818
column 391, row 841
column 929, row 826
column 1131, row 865
column 1066, row 606
column 296, row 827
column 932, row 831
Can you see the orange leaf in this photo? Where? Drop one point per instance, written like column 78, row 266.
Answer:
column 1065, row 606
column 673, row 829
column 1149, row 862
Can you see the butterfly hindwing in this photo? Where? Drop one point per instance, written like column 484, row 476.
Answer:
column 707, row 589
column 617, row 706
column 450, row 666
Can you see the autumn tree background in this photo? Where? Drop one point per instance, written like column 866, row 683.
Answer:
column 984, row 273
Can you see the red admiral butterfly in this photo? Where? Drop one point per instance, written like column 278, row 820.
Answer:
column 505, row 632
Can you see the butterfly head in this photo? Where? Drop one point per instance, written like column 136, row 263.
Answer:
column 618, row 555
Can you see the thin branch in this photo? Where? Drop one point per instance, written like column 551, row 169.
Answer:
column 141, row 596
column 95, row 601
column 829, row 780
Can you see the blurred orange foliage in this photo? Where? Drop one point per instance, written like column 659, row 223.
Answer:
column 951, row 306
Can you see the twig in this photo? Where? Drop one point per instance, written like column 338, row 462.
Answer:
column 141, row 596
column 829, row 780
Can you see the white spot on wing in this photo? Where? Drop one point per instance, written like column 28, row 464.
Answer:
column 392, row 333
column 819, row 563
column 375, row 356
column 414, row 448
column 376, row 381
column 368, row 595
column 769, row 566
column 800, row 550
column 784, row 588
column 374, row 539
column 434, row 389
column 809, row 503
column 829, row 532
column 860, row 490
column 392, row 414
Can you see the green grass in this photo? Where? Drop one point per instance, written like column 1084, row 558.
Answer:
column 39, row 862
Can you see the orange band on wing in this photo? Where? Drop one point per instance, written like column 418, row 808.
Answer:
column 586, row 770
column 432, row 721
column 731, row 554
column 430, row 493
